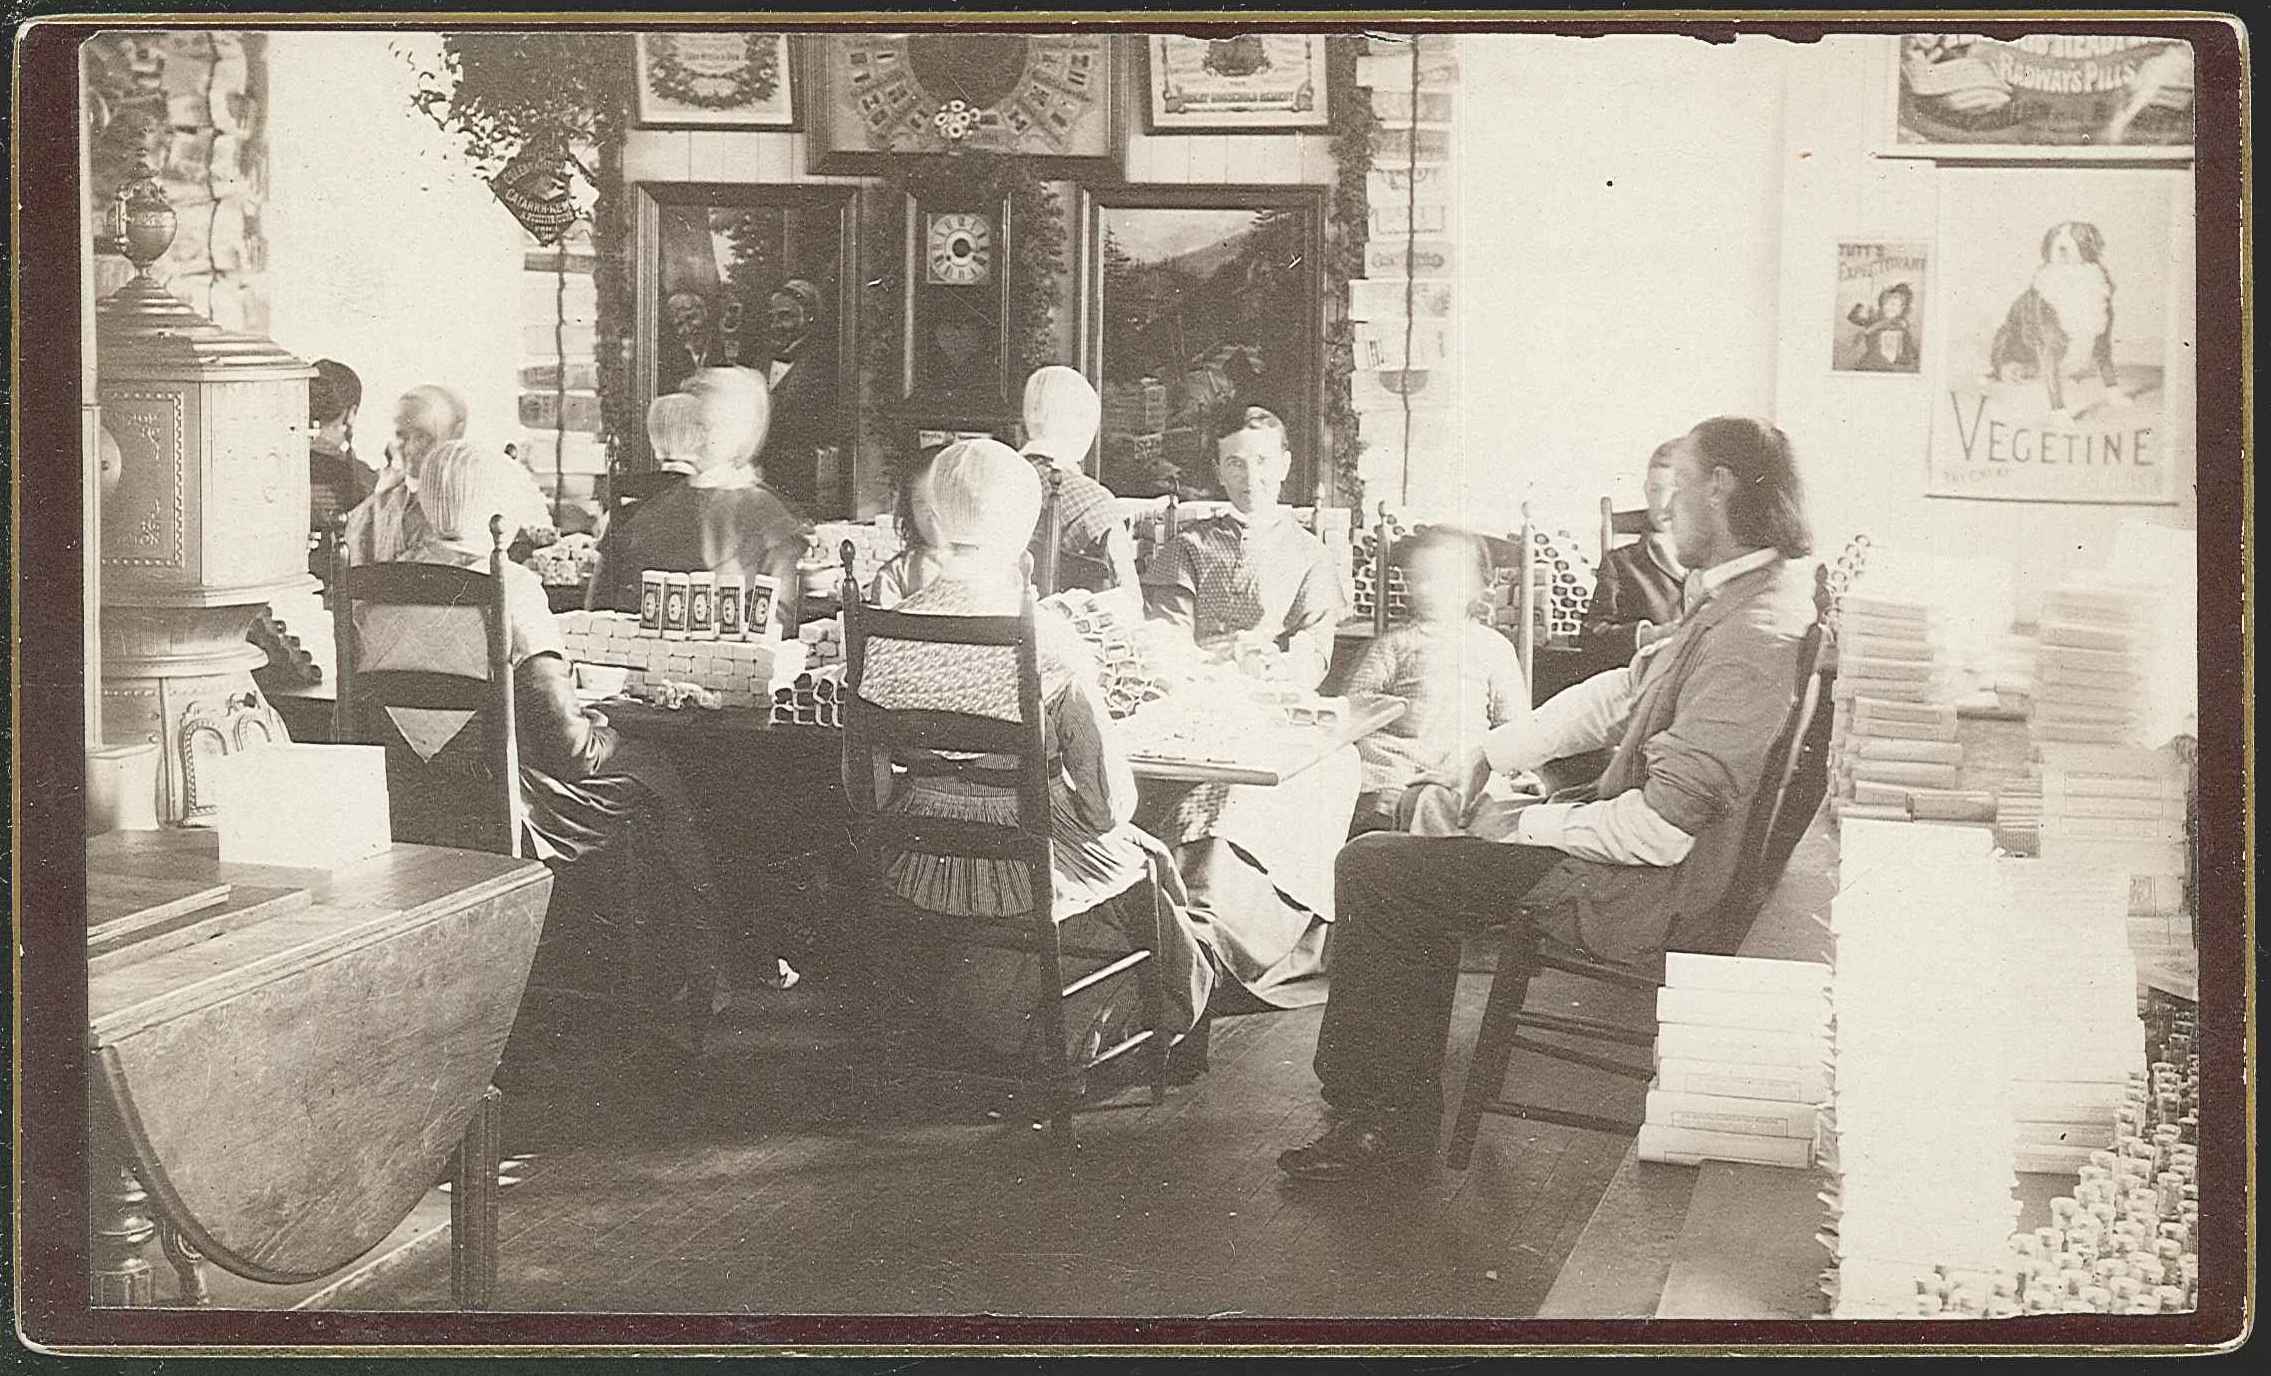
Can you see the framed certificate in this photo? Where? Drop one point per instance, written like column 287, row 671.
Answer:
column 1247, row 84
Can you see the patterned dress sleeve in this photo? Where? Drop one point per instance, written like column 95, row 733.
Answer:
column 1171, row 583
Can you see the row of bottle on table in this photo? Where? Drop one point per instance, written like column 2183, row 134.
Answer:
column 707, row 606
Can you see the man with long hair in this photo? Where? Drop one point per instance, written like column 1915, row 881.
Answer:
column 1617, row 870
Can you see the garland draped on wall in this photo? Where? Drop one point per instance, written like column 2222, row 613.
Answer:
column 499, row 92
column 1346, row 229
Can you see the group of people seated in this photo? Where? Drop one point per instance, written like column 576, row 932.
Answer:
column 1448, row 819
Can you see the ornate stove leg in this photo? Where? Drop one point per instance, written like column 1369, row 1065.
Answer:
column 473, row 1206
column 188, row 1265
column 121, row 1226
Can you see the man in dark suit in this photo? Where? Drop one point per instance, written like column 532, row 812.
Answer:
column 802, row 376
column 1619, row 869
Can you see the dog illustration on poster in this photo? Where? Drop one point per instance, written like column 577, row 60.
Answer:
column 2060, row 331
column 2060, row 328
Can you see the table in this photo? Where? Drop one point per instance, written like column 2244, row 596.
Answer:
column 750, row 731
column 275, row 1094
column 1280, row 757
column 1727, row 1240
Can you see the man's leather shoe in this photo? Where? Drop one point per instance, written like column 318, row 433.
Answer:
column 1355, row 1149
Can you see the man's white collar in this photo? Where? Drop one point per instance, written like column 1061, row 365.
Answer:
column 1712, row 579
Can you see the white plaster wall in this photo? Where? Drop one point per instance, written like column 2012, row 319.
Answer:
column 388, row 251
column 1864, row 438
column 1619, row 256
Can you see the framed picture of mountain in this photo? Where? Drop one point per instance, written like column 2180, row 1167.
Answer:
column 1199, row 302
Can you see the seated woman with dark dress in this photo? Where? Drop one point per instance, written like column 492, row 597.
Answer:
column 583, row 786
column 981, row 500
column 1637, row 599
column 720, row 519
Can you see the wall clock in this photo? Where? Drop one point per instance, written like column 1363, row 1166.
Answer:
column 1040, row 95
column 958, row 248
column 957, row 329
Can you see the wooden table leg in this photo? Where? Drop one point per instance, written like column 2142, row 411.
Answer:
column 473, row 1206
column 188, row 1265
column 121, row 1223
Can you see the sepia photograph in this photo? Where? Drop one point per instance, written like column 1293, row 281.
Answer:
column 1131, row 685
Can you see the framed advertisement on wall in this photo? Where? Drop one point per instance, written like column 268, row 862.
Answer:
column 2060, row 336
column 2045, row 98
column 1877, row 325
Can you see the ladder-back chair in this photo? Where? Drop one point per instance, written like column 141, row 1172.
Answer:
column 470, row 799
column 473, row 802
column 1614, row 523
column 1526, row 951
column 882, row 745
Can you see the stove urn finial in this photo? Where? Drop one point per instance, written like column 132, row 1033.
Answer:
column 204, row 508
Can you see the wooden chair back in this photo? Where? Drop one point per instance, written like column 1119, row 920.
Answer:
column 1758, row 868
column 1049, row 535
column 882, row 743
column 1615, row 523
column 1527, row 593
column 415, row 786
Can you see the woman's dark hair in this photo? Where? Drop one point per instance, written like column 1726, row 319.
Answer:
column 1899, row 289
column 332, row 392
column 1768, row 509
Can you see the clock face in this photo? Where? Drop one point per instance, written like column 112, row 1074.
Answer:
column 958, row 249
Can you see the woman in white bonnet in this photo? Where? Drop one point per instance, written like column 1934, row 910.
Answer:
column 982, row 499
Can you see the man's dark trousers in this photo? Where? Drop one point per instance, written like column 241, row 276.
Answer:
column 1402, row 904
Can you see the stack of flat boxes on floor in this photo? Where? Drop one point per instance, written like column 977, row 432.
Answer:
column 1895, row 751
column 1742, row 1047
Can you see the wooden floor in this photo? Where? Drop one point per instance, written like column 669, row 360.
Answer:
column 776, row 1178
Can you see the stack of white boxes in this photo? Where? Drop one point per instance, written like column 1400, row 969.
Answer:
column 823, row 641
column 2091, row 661
column 1919, row 1131
column 2072, row 982
column 743, row 673
column 1742, row 1048
column 874, row 544
column 1894, row 747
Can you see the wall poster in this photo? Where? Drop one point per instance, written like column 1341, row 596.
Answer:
column 2060, row 336
column 2047, row 97
column 1879, row 322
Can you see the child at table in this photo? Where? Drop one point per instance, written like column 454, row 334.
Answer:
column 916, row 563
column 1459, row 677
